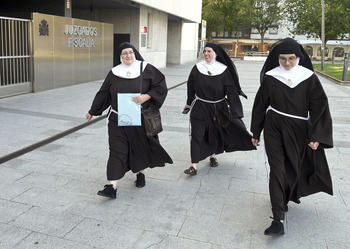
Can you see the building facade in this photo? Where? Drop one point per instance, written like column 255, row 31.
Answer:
column 73, row 41
column 242, row 47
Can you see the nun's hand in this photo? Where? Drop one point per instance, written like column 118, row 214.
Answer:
column 255, row 142
column 88, row 116
column 314, row 145
column 141, row 99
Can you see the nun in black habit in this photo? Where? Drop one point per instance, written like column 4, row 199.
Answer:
column 292, row 109
column 129, row 147
column 215, row 108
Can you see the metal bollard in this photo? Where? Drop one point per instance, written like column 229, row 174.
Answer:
column 346, row 65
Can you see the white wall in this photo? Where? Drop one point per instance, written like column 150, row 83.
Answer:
column 188, row 9
column 189, row 42
column 175, row 43
column 282, row 33
column 157, row 31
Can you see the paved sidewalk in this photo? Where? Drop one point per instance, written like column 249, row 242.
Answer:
column 48, row 194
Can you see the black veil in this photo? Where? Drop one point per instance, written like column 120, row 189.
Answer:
column 125, row 45
column 285, row 46
column 222, row 57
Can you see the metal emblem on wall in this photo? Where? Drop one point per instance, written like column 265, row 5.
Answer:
column 43, row 28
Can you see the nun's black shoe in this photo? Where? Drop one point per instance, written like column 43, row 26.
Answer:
column 108, row 191
column 140, row 180
column 191, row 171
column 213, row 162
column 276, row 228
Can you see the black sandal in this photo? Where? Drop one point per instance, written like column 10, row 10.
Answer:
column 191, row 171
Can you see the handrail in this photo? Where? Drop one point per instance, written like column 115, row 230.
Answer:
column 256, row 53
column 15, row 19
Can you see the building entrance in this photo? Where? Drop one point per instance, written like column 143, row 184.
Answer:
column 118, row 39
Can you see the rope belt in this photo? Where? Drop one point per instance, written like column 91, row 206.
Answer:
column 286, row 114
column 206, row 101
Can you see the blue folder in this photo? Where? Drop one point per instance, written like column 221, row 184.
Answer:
column 129, row 113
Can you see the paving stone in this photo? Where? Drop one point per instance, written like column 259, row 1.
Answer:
column 48, row 195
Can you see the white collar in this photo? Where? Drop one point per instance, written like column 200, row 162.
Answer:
column 211, row 68
column 128, row 72
column 292, row 77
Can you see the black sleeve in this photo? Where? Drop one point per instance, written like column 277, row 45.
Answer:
column 261, row 102
column 190, row 87
column 232, row 96
column 157, row 87
column 320, row 117
column 102, row 98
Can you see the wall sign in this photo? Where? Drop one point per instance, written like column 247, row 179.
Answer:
column 143, row 29
column 85, row 33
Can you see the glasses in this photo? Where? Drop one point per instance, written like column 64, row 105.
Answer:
column 290, row 59
column 127, row 53
column 207, row 51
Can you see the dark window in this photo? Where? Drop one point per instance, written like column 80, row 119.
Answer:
column 339, row 52
column 309, row 50
column 325, row 52
column 226, row 47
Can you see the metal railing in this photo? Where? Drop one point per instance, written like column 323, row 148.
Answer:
column 15, row 56
column 263, row 54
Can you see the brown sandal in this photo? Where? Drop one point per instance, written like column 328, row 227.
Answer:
column 213, row 162
column 191, row 171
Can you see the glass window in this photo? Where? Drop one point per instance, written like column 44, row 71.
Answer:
column 339, row 52
column 143, row 40
column 246, row 48
column 273, row 31
column 325, row 52
column 255, row 31
column 309, row 50
column 226, row 47
column 249, row 48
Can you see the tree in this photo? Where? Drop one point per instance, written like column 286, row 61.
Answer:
column 233, row 15
column 210, row 13
column 265, row 14
column 224, row 15
column 305, row 16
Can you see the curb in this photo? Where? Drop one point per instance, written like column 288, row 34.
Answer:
column 340, row 82
column 62, row 134
column 36, row 145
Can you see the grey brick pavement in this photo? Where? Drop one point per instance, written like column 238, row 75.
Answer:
column 48, row 195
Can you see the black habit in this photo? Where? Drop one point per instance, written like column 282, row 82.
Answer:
column 296, row 169
column 218, row 127
column 130, row 148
